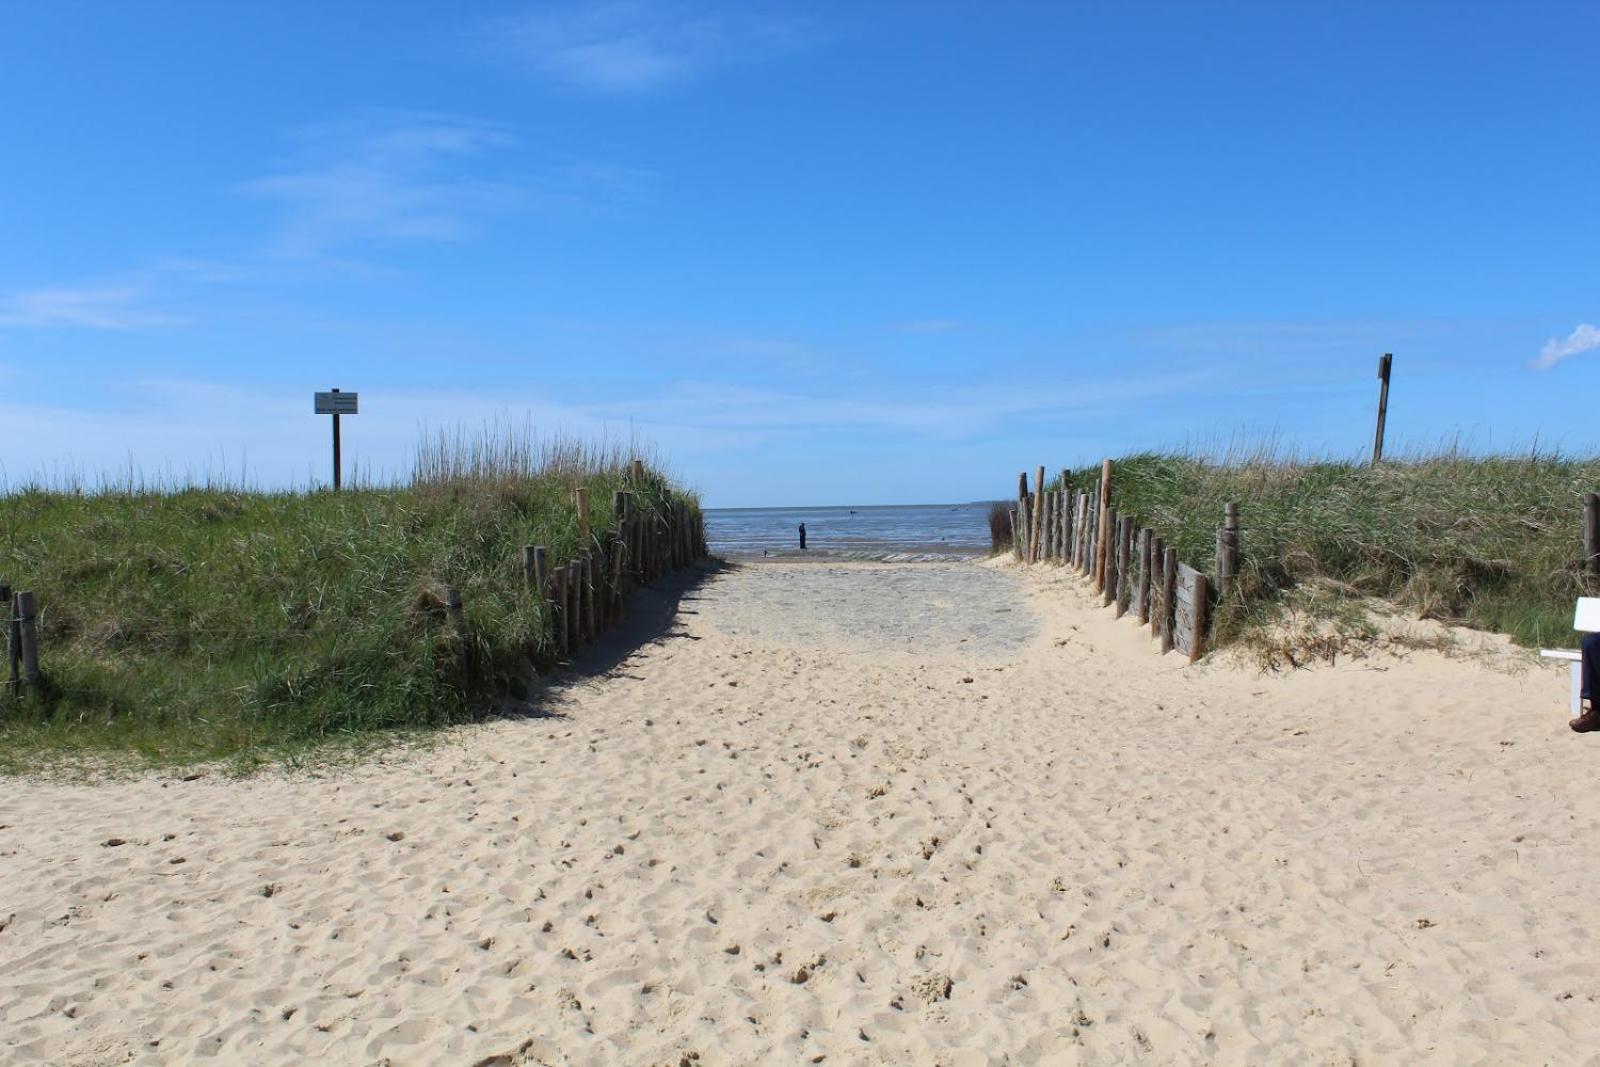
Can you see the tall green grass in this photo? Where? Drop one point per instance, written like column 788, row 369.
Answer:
column 1492, row 542
column 195, row 623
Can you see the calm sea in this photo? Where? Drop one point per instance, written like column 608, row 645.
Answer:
column 900, row 532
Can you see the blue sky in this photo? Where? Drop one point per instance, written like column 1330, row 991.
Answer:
column 817, row 253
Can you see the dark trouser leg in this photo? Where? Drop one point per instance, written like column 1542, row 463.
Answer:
column 1591, row 665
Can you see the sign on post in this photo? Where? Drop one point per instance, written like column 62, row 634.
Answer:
column 336, row 403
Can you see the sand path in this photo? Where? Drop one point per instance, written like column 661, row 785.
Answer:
column 928, row 814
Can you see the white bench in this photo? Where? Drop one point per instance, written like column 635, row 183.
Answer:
column 1585, row 619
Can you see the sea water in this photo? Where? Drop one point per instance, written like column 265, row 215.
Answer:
column 894, row 532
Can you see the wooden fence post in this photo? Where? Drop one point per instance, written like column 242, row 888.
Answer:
column 1108, row 582
column 27, row 612
column 580, row 497
column 13, row 642
column 1125, row 562
column 1019, row 528
column 1105, row 512
column 1591, row 534
column 1142, row 594
column 1158, row 559
column 1038, row 516
column 1227, row 565
column 590, row 625
column 1197, row 621
column 636, row 472
column 1169, row 588
column 558, row 617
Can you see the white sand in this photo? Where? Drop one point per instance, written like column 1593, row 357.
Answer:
column 794, row 830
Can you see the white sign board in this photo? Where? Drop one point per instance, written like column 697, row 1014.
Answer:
column 336, row 403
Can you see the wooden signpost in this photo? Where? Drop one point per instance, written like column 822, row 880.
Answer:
column 336, row 403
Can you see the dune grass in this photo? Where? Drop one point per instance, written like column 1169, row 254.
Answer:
column 192, row 624
column 1490, row 542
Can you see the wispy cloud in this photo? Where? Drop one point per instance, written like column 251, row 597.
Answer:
column 106, row 306
column 926, row 326
column 1586, row 338
column 387, row 177
column 628, row 47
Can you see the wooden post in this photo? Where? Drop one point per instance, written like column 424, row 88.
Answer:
column 1169, row 588
column 558, row 617
column 619, row 559
column 1038, row 517
column 1158, row 562
column 1019, row 527
column 453, row 608
column 1105, row 518
column 581, row 498
column 1125, row 563
column 1383, row 406
column 13, row 642
column 529, row 557
column 590, row 624
column 1197, row 621
column 1591, row 534
column 1142, row 594
column 574, row 605
column 636, row 472
column 28, row 633
column 1227, row 563
column 1108, row 582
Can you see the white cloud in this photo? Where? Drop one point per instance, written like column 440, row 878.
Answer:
column 929, row 326
column 110, row 306
column 627, row 47
column 1585, row 338
column 391, row 176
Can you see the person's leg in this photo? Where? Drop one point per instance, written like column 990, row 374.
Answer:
column 1589, row 719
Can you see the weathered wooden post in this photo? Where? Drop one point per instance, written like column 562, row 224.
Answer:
column 636, row 471
column 1197, row 620
column 1125, row 564
column 1101, row 552
column 1169, row 588
column 558, row 617
column 1383, row 406
column 13, row 642
column 1019, row 525
column 1142, row 594
column 590, row 624
column 1227, row 564
column 28, row 634
column 1591, row 534
column 1158, row 560
column 1036, row 531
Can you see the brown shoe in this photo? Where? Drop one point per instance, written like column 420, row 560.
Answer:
column 1588, row 722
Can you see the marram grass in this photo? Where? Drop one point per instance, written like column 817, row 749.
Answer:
column 1490, row 542
column 194, row 624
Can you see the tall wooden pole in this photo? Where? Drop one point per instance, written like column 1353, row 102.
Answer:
column 1383, row 406
column 336, row 464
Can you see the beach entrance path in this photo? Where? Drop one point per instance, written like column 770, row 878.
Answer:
column 939, row 814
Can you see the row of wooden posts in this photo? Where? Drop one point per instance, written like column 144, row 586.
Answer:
column 1134, row 569
column 589, row 593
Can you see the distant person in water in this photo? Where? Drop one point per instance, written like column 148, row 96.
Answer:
column 1589, row 721
column 802, row 537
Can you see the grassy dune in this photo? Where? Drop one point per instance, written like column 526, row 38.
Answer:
column 200, row 623
column 1494, row 542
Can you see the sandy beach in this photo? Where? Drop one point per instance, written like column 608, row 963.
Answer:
column 947, row 814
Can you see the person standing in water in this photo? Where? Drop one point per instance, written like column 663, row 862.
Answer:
column 802, row 537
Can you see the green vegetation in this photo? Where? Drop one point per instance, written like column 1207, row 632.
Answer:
column 193, row 624
column 1494, row 542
